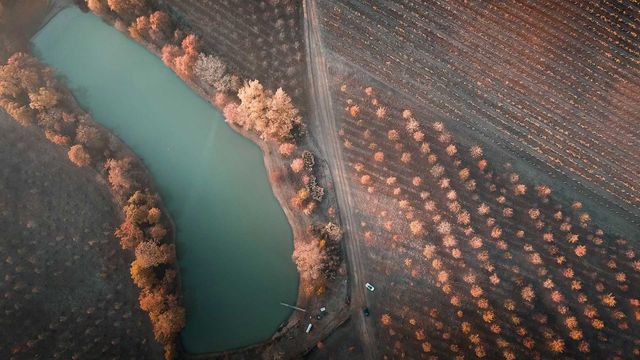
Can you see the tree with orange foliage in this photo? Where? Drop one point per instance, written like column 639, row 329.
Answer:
column 543, row 191
column 44, row 98
column 310, row 258
column 153, row 216
column 79, row 155
column 98, row 7
column 354, row 110
column 476, row 151
column 393, row 135
column 167, row 324
column 182, row 59
column 378, row 156
column 417, row 228
column 149, row 253
column 119, row 175
column 139, row 29
column 57, row 138
column 89, row 136
column 128, row 9
column 157, row 232
column 143, row 277
column 129, row 234
column 169, row 53
column 527, row 293
column 153, row 300
column 286, row 149
column 297, row 165
column 161, row 27
column 281, row 116
column 556, row 345
column 609, row 300
column 581, row 250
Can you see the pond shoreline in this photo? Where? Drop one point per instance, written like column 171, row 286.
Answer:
column 298, row 224
column 338, row 299
column 273, row 162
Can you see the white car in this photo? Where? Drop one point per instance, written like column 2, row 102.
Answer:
column 369, row 287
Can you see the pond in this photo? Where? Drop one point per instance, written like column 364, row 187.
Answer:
column 233, row 240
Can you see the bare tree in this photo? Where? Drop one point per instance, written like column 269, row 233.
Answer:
column 212, row 71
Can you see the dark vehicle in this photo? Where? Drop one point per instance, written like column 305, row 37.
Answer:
column 366, row 311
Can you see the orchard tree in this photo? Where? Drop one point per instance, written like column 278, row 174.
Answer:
column 254, row 104
column 233, row 115
column 167, row 324
column 153, row 215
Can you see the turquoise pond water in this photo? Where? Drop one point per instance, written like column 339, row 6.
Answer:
column 233, row 241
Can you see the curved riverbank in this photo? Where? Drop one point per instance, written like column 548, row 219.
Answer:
column 233, row 240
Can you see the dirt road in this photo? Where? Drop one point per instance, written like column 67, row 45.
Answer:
column 323, row 121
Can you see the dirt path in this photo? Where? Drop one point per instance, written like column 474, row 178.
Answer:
column 323, row 122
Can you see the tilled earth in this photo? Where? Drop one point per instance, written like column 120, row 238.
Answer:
column 66, row 290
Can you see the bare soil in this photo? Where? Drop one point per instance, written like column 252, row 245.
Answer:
column 539, row 84
column 260, row 39
column 425, row 298
column 67, row 292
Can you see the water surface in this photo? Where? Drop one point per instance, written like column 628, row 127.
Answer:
column 233, row 241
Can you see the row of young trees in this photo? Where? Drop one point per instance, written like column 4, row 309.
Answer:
column 482, row 218
column 33, row 96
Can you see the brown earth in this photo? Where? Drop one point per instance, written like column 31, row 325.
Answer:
column 424, row 57
column 548, row 86
column 67, row 291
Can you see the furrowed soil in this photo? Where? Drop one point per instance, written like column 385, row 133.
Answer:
column 66, row 288
column 261, row 39
column 466, row 265
column 551, row 87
